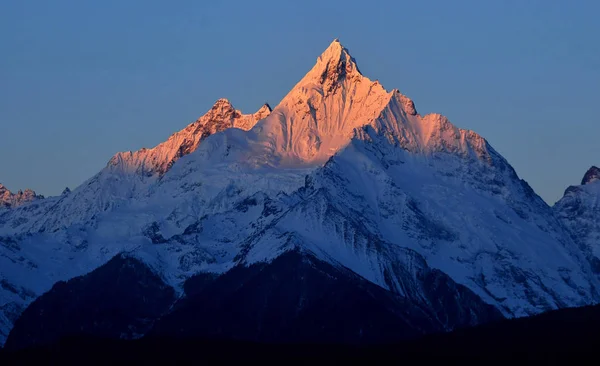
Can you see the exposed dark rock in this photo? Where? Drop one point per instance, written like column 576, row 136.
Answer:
column 153, row 233
column 593, row 174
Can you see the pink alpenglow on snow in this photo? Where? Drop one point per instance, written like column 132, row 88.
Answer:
column 333, row 102
column 9, row 199
column 157, row 160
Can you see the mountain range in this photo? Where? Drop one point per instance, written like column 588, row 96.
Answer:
column 340, row 215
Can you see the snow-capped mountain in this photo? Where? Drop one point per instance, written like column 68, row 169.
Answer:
column 579, row 211
column 345, row 178
column 420, row 182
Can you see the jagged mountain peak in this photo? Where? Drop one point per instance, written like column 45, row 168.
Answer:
column 317, row 117
column 10, row 199
column 578, row 211
column 27, row 191
column 335, row 52
column 407, row 104
column 335, row 64
column 263, row 112
column 333, row 101
column 221, row 108
column 592, row 175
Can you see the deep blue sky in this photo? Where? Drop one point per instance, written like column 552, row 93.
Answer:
column 81, row 80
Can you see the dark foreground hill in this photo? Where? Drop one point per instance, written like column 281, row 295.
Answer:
column 555, row 337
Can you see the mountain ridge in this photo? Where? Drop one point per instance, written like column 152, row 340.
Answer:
column 9, row 199
column 159, row 159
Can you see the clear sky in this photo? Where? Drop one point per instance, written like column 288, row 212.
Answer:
column 81, row 80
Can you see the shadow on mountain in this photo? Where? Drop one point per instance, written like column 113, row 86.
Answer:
column 294, row 298
column 297, row 298
column 120, row 299
column 293, row 307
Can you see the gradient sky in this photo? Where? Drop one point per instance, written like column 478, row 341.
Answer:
column 81, row 80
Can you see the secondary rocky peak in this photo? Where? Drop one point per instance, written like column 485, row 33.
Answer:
column 5, row 196
column 263, row 112
column 9, row 199
column 266, row 107
column 221, row 108
column 407, row 104
column 578, row 211
column 157, row 160
column 592, row 175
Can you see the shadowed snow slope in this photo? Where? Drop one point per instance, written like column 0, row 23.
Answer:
column 472, row 219
column 341, row 170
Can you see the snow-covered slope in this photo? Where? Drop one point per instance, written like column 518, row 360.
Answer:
column 341, row 169
column 472, row 219
column 127, row 175
column 579, row 211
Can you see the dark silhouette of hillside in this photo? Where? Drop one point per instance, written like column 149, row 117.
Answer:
column 555, row 337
